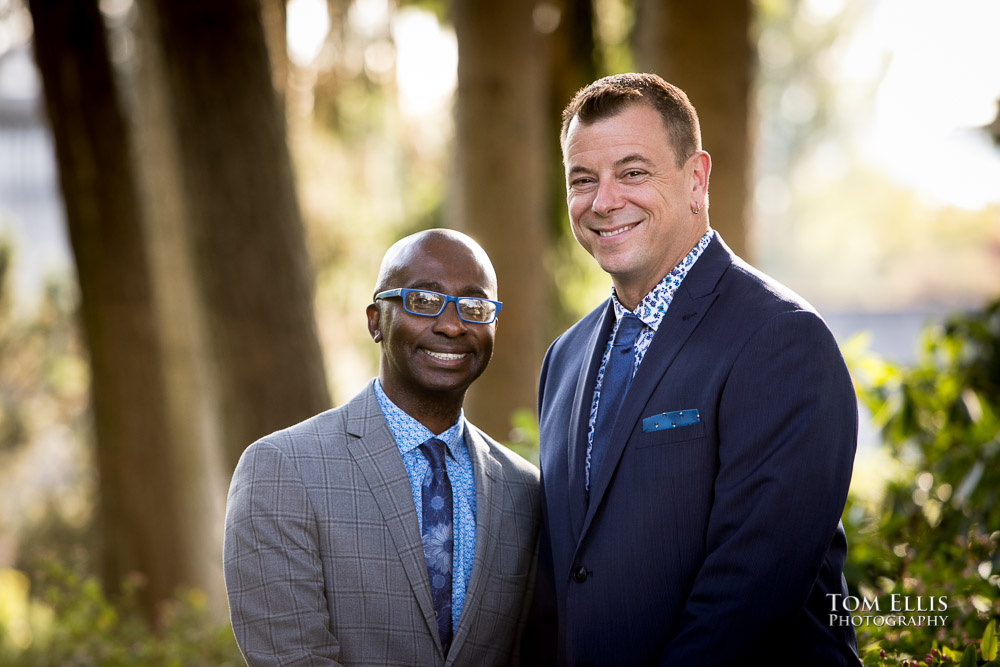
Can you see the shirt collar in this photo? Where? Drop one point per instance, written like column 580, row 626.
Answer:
column 410, row 433
column 653, row 306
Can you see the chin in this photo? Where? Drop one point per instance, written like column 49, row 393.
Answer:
column 445, row 386
column 455, row 386
column 615, row 268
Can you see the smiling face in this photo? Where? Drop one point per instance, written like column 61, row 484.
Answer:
column 427, row 363
column 630, row 205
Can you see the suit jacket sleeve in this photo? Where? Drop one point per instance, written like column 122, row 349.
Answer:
column 540, row 637
column 787, row 427
column 273, row 572
column 527, row 609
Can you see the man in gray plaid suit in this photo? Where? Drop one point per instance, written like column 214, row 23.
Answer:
column 390, row 530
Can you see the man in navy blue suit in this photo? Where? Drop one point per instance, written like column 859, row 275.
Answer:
column 697, row 429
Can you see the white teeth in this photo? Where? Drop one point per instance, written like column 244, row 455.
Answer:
column 616, row 232
column 444, row 356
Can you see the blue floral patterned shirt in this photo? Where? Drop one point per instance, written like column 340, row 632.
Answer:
column 650, row 310
column 409, row 435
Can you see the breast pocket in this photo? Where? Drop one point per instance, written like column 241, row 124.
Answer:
column 670, row 435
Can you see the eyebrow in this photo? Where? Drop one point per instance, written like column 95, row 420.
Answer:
column 469, row 290
column 619, row 163
column 628, row 159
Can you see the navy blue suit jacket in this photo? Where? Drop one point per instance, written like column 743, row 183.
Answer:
column 701, row 544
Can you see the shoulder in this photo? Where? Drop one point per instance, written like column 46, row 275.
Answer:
column 514, row 482
column 758, row 303
column 573, row 343
column 749, row 314
column 741, row 288
column 750, row 300
column 584, row 327
column 290, row 453
column 307, row 436
column 763, row 322
column 324, row 435
column 747, row 281
column 513, row 467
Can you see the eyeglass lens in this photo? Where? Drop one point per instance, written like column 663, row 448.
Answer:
column 431, row 303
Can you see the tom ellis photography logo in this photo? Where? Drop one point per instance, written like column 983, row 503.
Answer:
column 891, row 610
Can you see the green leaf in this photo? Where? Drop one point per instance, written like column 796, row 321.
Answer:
column 951, row 654
column 989, row 645
column 969, row 657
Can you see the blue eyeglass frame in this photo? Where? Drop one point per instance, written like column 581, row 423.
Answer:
column 403, row 291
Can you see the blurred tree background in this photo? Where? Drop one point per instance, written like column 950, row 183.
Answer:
column 231, row 173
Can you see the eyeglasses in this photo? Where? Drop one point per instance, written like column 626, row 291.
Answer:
column 431, row 304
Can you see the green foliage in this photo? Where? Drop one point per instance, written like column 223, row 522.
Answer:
column 69, row 621
column 613, row 21
column 936, row 529
column 524, row 434
column 47, row 482
column 989, row 643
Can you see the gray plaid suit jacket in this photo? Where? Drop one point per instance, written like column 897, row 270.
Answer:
column 323, row 559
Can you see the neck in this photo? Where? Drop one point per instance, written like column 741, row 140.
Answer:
column 438, row 411
column 628, row 297
column 631, row 289
column 437, row 422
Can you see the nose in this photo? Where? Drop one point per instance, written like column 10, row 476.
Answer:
column 607, row 198
column 449, row 323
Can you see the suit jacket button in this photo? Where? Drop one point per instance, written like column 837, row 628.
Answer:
column 580, row 574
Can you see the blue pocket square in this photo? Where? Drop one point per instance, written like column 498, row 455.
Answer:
column 666, row 420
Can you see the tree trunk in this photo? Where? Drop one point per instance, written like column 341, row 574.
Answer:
column 572, row 63
column 240, row 215
column 704, row 48
column 500, row 192
column 274, row 17
column 141, row 526
column 195, row 282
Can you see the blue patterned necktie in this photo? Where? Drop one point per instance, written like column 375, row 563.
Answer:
column 617, row 378
column 437, row 535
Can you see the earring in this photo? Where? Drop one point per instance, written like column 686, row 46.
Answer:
column 696, row 209
column 377, row 336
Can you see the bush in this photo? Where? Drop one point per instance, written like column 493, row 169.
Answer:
column 70, row 622
column 936, row 528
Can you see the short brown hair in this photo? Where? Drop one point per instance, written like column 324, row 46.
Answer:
column 611, row 95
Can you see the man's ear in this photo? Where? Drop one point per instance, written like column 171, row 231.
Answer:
column 374, row 322
column 701, row 167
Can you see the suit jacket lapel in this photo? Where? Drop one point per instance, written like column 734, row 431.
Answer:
column 579, row 428
column 690, row 303
column 377, row 455
column 489, row 511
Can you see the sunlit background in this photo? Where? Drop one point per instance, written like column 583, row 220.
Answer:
column 898, row 94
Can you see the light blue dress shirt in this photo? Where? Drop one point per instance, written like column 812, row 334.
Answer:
column 409, row 435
